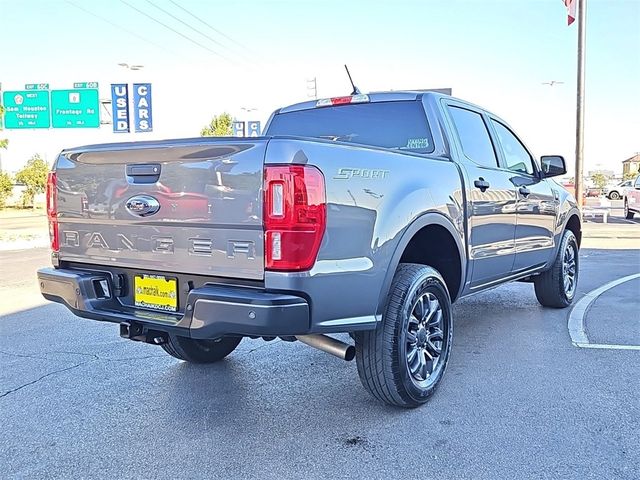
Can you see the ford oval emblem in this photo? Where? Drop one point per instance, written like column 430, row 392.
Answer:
column 142, row 205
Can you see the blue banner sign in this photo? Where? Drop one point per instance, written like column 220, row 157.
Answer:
column 253, row 129
column 142, row 118
column 120, row 107
column 238, row 129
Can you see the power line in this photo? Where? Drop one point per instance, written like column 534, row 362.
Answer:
column 195, row 42
column 164, row 49
column 208, row 25
column 186, row 24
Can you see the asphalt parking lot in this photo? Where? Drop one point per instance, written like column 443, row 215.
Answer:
column 519, row 399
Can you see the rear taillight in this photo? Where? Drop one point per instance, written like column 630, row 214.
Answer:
column 295, row 213
column 52, row 210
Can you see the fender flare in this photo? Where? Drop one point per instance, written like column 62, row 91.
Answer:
column 426, row 219
column 573, row 211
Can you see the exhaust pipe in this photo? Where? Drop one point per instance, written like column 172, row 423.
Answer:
column 329, row 345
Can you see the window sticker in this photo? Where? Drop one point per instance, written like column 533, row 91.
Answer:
column 417, row 143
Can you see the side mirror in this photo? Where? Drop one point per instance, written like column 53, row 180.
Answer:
column 553, row 165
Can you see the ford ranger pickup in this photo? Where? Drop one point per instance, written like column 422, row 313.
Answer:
column 367, row 214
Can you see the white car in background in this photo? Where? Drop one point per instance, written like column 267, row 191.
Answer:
column 616, row 192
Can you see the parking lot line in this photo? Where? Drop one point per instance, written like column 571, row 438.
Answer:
column 607, row 346
column 576, row 317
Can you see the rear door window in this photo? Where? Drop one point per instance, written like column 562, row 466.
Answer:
column 474, row 136
column 400, row 125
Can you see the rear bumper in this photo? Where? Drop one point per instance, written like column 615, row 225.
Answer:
column 211, row 310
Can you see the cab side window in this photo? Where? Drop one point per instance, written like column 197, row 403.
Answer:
column 637, row 184
column 515, row 155
column 474, row 136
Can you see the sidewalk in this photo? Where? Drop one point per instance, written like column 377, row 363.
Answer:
column 10, row 213
column 611, row 236
column 21, row 229
column 613, row 316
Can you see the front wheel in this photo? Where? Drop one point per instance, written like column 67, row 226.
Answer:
column 628, row 214
column 556, row 287
column 402, row 361
column 200, row 351
column 614, row 196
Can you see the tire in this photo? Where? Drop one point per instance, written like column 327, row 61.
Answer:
column 614, row 195
column 628, row 214
column 556, row 288
column 200, row 351
column 394, row 359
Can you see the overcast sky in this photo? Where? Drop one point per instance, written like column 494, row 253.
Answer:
column 259, row 54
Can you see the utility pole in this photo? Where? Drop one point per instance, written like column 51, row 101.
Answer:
column 582, row 14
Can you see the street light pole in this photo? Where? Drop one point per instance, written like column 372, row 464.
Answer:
column 582, row 13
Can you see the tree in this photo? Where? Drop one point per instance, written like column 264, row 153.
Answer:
column 630, row 175
column 4, row 143
column 220, row 126
column 599, row 180
column 6, row 187
column 34, row 177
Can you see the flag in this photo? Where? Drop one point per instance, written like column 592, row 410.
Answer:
column 571, row 10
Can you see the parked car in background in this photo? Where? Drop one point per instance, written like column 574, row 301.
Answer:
column 616, row 192
column 632, row 199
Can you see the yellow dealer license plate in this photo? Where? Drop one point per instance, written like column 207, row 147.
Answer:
column 156, row 291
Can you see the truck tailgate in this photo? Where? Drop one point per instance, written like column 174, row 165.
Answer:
column 207, row 194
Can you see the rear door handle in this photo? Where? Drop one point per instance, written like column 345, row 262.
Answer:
column 482, row 184
column 524, row 191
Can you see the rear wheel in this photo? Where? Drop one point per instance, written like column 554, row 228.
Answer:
column 556, row 287
column 402, row 362
column 200, row 351
column 628, row 214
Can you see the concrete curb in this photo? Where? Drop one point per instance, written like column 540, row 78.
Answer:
column 579, row 311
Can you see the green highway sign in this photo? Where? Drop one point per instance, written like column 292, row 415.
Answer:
column 36, row 86
column 78, row 108
column 85, row 85
column 26, row 109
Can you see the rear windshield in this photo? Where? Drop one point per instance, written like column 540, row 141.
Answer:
column 395, row 125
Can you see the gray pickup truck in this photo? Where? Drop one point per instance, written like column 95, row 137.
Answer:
column 366, row 214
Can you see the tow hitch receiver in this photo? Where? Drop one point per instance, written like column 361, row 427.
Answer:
column 139, row 333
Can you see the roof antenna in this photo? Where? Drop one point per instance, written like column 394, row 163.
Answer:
column 356, row 91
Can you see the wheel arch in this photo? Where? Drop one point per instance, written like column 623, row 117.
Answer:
column 574, row 224
column 446, row 250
